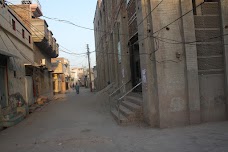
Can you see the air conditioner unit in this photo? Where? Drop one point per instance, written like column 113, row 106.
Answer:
column 43, row 62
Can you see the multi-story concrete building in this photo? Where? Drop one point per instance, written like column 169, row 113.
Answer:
column 16, row 51
column 173, row 51
column 26, row 53
column 61, row 75
column 45, row 47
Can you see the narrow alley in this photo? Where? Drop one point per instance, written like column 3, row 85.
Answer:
column 83, row 123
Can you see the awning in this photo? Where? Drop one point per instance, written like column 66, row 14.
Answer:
column 2, row 52
column 32, row 65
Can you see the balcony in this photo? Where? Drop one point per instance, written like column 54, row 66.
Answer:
column 42, row 37
column 39, row 31
column 55, row 49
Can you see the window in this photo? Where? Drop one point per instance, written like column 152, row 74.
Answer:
column 14, row 25
column 23, row 33
column 15, row 74
column 29, row 39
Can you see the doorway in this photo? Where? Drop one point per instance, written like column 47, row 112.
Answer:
column 3, row 86
column 135, row 63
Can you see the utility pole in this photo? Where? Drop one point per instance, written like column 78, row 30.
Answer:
column 90, row 81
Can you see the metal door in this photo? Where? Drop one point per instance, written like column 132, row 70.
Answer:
column 3, row 94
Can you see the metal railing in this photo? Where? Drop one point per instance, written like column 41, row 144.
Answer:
column 110, row 95
column 121, row 99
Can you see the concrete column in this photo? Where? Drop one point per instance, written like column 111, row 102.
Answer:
column 170, row 65
column 63, row 85
column 188, row 35
column 56, row 83
column 115, row 51
column 224, row 11
column 111, row 59
column 125, row 58
column 148, row 67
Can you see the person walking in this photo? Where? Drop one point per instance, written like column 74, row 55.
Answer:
column 77, row 88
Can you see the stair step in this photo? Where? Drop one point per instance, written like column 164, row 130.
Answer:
column 13, row 121
column 132, row 106
column 135, row 100
column 130, row 115
column 123, row 119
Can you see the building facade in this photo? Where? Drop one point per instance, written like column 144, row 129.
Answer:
column 16, row 52
column 61, row 75
column 176, row 49
column 25, row 60
column 45, row 47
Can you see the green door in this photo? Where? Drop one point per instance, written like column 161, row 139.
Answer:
column 3, row 101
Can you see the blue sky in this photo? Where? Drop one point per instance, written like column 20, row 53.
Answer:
column 73, row 38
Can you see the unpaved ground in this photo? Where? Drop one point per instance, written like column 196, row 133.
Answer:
column 82, row 123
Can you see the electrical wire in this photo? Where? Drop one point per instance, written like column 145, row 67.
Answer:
column 156, row 38
column 177, row 18
column 34, row 29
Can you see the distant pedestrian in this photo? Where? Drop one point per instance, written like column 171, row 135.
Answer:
column 77, row 88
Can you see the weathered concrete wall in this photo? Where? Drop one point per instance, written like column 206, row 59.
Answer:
column 125, row 54
column 29, row 96
column 39, row 55
column 43, row 77
column 213, row 107
column 108, row 67
column 188, row 35
column 224, row 10
column 173, row 89
column 148, row 67
column 171, row 76
column 16, row 69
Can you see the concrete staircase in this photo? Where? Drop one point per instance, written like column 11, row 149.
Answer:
column 130, row 110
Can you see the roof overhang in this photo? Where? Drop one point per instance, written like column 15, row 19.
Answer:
column 8, row 54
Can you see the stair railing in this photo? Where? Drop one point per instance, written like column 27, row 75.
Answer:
column 121, row 99
column 110, row 95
